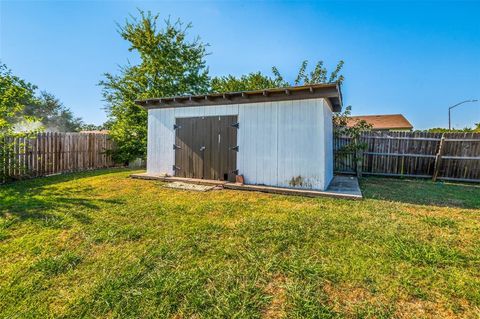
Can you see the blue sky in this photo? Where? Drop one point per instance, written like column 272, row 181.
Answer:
column 415, row 58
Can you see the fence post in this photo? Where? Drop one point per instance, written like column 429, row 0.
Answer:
column 438, row 159
column 358, row 158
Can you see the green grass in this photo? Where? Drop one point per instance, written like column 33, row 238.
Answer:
column 100, row 244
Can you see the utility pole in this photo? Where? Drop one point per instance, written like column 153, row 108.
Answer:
column 451, row 107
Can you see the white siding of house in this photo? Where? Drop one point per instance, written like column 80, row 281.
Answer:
column 286, row 144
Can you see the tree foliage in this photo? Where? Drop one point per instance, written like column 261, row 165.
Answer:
column 343, row 127
column 476, row 129
column 52, row 114
column 258, row 81
column 15, row 94
column 94, row 127
column 22, row 109
column 249, row 82
column 170, row 64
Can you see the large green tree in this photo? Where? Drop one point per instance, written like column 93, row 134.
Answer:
column 171, row 63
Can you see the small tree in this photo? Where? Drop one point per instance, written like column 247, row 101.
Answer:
column 345, row 127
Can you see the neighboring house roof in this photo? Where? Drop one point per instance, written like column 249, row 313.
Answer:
column 383, row 122
column 330, row 92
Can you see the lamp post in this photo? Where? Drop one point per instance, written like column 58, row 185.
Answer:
column 451, row 107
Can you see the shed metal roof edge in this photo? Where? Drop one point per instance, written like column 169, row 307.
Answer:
column 330, row 91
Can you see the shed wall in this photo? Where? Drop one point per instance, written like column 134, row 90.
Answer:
column 286, row 143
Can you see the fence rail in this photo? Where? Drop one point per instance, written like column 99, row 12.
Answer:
column 53, row 153
column 447, row 156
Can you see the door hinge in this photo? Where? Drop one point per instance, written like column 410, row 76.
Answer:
column 175, row 126
column 176, row 147
column 235, row 148
column 236, row 125
column 175, row 168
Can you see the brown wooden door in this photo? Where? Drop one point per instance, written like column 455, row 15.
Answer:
column 205, row 147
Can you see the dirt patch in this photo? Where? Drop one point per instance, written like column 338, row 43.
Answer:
column 426, row 309
column 351, row 300
column 277, row 305
column 347, row 299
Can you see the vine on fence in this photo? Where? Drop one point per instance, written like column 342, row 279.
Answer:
column 345, row 126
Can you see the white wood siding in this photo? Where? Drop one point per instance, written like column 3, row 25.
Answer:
column 328, row 138
column 287, row 143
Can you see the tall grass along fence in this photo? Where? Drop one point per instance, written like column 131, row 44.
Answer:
column 53, row 153
column 446, row 156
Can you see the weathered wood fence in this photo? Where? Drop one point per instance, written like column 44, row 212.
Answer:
column 446, row 156
column 53, row 153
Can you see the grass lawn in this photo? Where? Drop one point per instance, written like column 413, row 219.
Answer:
column 100, row 244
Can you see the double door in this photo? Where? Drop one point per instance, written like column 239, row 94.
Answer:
column 206, row 147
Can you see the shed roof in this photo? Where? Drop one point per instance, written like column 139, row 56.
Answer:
column 331, row 92
column 383, row 121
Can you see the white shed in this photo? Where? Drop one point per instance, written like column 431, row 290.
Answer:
column 276, row 137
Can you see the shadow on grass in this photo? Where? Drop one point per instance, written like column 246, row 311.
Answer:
column 422, row 192
column 46, row 200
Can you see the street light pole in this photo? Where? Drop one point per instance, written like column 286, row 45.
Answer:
column 451, row 107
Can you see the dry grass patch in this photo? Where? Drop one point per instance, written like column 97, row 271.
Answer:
column 276, row 291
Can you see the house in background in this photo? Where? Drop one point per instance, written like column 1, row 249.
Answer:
column 276, row 137
column 384, row 122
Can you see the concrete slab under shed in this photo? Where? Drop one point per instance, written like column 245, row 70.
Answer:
column 190, row 186
column 346, row 187
column 343, row 184
column 164, row 178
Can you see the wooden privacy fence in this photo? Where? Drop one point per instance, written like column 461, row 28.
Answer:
column 446, row 156
column 53, row 153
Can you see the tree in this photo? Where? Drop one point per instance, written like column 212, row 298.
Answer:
column 249, row 82
column 94, row 127
column 52, row 114
column 15, row 94
column 318, row 75
column 342, row 127
column 258, row 81
column 454, row 130
column 171, row 65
